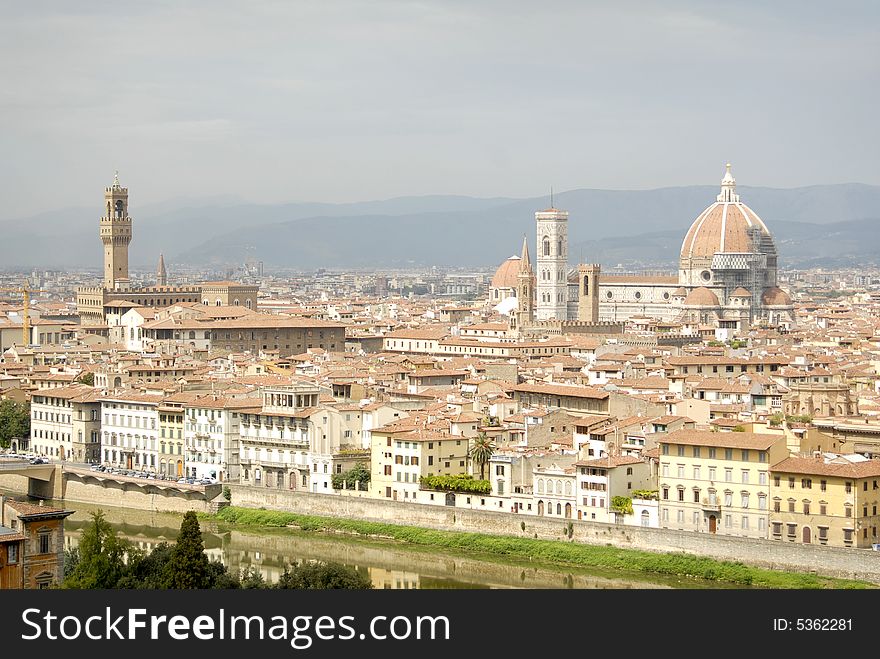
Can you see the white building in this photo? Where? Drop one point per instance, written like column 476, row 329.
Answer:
column 211, row 437
column 129, row 430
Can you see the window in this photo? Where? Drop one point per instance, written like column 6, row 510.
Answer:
column 847, row 511
column 807, row 484
column 728, row 475
column 681, row 450
column 791, row 482
column 681, row 471
column 791, row 503
column 696, row 451
column 745, row 476
column 711, row 473
column 665, row 470
column 849, row 488
column 776, row 481
column 696, row 473
column 745, row 523
column 744, row 500
column 728, row 498
column 696, row 496
column 696, row 518
column 762, row 478
column 12, row 553
column 745, row 455
column 762, row 502
column 665, row 493
column 762, row 456
column 44, row 543
column 681, row 494
column 728, row 521
column 777, row 528
column 680, row 516
column 665, row 448
column 847, row 536
column 806, row 507
column 823, row 535
column 823, row 485
column 792, row 530
column 823, row 508
column 728, row 454
column 664, row 514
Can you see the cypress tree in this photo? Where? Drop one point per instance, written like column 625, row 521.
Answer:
column 189, row 566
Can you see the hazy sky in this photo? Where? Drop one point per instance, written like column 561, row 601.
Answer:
column 342, row 101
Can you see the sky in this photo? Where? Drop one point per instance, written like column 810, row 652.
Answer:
column 340, row 100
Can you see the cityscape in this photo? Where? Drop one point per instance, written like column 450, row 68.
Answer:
column 439, row 296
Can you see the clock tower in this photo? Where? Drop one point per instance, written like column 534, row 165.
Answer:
column 115, row 235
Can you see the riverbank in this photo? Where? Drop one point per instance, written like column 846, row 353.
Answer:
column 551, row 551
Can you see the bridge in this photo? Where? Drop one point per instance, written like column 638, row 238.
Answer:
column 49, row 481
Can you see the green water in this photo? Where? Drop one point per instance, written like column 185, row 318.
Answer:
column 390, row 564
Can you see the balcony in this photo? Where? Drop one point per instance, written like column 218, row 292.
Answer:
column 713, row 506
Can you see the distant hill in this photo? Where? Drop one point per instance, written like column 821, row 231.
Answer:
column 820, row 225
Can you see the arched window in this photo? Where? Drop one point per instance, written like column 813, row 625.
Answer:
column 586, row 285
column 546, row 250
column 219, row 302
column 540, row 485
column 558, row 487
column 646, row 518
column 567, row 488
column 247, row 303
column 558, row 508
column 235, row 302
column 559, row 249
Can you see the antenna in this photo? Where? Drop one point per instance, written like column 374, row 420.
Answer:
column 551, row 197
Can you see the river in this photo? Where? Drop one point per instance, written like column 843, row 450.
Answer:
column 390, row 564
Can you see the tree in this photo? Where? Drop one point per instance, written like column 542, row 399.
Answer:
column 15, row 421
column 322, row 576
column 86, row 378
column 349, row 480
column 101, row 557
column 481, row 452
column 189, row 566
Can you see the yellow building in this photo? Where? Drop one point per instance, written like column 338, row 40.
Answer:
column 717, row 482
column 829, row 499
column 400, row 455
column 171, row 442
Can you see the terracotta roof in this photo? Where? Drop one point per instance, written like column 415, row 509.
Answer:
column 609, row 462
column 818, row 466
column 29, row 509
column 561, row 390
column 505, row 275
column 775, row 296
column 741, row 440
column 701, row 297
column 722, row 227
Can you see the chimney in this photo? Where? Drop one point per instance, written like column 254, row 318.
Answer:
column 2, row 510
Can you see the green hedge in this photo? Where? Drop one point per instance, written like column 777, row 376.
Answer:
column 457, row 483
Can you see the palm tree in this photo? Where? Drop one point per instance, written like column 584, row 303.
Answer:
column 481, row 452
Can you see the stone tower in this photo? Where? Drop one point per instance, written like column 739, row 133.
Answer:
column 524, row 315
column 161, row 273
column 552, row 264
column 115, row 234
column 588, row 292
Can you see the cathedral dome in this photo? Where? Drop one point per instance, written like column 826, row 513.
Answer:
column 505, row 275
column 701, row 297
column 739, row 291
column 775, row 297
column 728, row 225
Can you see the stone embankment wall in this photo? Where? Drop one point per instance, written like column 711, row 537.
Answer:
column 830, row 561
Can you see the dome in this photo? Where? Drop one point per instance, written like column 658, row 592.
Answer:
column 739, row 291
column 775, row 297
column 701, row 297
column 681, row 291
column 505, row 275
column 725, row 226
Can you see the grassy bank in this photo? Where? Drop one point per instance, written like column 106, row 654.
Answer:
column 551, row 551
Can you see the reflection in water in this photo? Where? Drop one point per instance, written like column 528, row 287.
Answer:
column 389, row 564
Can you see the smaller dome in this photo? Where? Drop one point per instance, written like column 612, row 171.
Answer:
column 681, row 291
column 505, row 275
column 775, row 297
column 739, row 291
column 701, row 297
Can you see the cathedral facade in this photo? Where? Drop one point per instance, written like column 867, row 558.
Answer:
column 727, row 275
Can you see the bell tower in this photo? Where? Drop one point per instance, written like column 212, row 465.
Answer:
column 588, row 292
column 115, row 234
column 524, row 315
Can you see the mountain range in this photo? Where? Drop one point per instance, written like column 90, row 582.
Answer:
column 822, row 225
